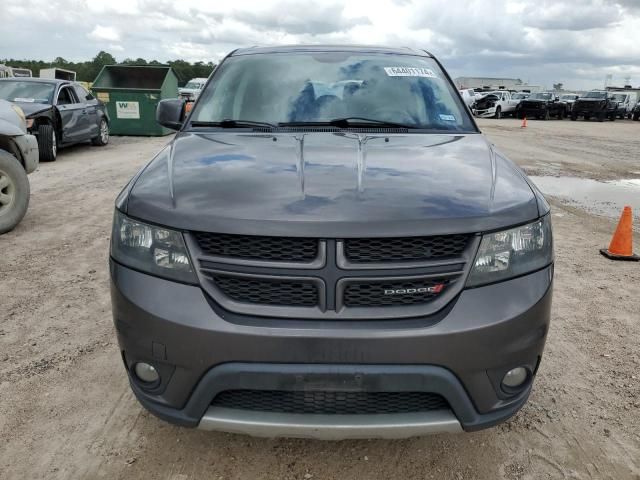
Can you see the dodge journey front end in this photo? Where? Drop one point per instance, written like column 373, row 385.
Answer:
column 330, row 248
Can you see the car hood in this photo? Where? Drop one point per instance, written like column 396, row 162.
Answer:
column 31, row 109
column 330, row 184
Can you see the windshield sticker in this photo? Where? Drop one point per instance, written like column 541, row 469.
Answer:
column 24, row 100
column 409, row 72
column 447, row 118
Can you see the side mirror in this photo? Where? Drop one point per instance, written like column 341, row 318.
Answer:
column 170, row 113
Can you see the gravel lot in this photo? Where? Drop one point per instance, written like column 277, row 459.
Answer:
column 66, row 410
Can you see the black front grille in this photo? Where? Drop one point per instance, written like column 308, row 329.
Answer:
column 401, row 249
column 291, row 293
column 391, row 293
column 282, row 249
column 330, row 402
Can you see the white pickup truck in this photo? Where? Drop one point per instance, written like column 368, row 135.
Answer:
column 494, row 104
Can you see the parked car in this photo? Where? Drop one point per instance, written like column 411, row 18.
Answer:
column 267, row 280
column 569, row 99
column 468, row 95
column 59, row 113
column 624, row 104
column 18, row 157
column 597, row 104
column 192, row 89
column 495, row 104
column 542, row 105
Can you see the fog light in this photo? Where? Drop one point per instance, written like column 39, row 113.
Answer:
column 515, row 378
column 147, row 373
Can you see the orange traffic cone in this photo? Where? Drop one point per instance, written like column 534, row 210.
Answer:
column 621, row 246
column 524, row 122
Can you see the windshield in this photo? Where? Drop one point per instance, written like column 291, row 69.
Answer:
column 193, row 85
column 541, row 96
column 323, row 86
column 26, row 92
column 568, row 97
column 519, row 96
column 595, row 95
column 619, row 97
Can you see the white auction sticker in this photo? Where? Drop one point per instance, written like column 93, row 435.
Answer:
column 410, row 72
column 128, row 110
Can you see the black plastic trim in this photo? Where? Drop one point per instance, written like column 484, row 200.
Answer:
column 429, row 378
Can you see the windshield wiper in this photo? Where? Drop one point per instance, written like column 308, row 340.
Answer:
column 229, row 123
column 346, row 122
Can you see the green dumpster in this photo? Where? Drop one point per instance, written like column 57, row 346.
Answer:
column 131, row 94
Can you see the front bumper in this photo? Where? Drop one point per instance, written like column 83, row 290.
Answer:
column 531, row 112
column 485, row 113
column 200, row 351
column 28, row 145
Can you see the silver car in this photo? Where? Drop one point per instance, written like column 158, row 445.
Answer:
column 18, row 157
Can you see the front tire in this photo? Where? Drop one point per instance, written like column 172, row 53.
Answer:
column 103, row 136
column 547, row 115
column 14, row 192
column 498, row 114
column 47, row 143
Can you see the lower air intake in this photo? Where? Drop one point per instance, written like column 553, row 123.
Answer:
column 330, row 402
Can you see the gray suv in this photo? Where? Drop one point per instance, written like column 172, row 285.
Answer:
column 330, row 248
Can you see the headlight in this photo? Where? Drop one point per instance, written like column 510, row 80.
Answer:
column 512, row 252
column 21, row 115
column 150, row 249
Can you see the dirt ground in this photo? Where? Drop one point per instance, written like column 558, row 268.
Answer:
column 66, row 410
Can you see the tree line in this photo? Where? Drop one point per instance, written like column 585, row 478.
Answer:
column 87, row 71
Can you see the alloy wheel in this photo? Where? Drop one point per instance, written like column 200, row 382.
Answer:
column 7, row 192
column 104, row 132
column 54, row 144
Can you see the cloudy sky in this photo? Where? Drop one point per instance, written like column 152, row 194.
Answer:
column 577, row 42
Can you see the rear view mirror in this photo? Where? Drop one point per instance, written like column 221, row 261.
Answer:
column 170, row 113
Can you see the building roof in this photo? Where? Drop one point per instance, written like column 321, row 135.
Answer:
column 516, row 80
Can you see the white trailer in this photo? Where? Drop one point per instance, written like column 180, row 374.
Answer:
column 6, row 72
column 58, row 74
